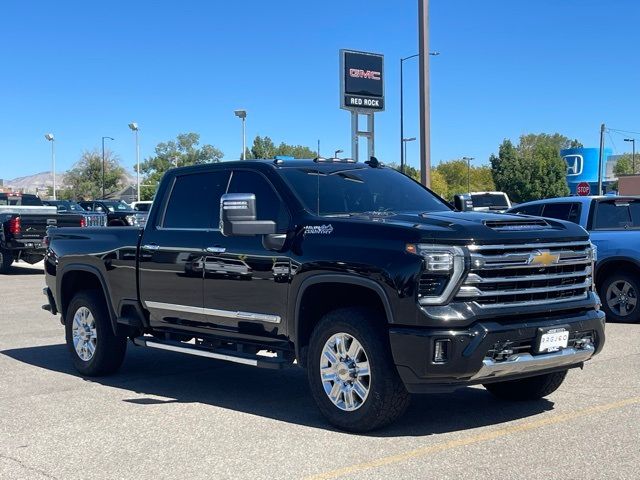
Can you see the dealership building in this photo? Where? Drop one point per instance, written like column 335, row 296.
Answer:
column 582, row 166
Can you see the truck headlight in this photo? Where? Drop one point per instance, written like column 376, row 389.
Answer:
column 131, row 220
column 443, row 269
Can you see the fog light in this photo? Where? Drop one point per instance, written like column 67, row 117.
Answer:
column 441, row 351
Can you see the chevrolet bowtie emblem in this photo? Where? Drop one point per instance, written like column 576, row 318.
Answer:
column 544, row 258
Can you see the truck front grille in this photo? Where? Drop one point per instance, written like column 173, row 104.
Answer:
column 96, row 220
column 505, row 275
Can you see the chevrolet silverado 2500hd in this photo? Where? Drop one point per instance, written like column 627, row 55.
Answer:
column 351, row 270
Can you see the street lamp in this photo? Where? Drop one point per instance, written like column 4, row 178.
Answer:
column 468, row 159
column 103, row 139
column 242, row 114
column 134, row 128
column 402, row 60
column 335, row 154
column 633, row 152
column 51, row 138
column 404, row 153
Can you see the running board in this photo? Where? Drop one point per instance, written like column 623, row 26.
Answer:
column 252, row 360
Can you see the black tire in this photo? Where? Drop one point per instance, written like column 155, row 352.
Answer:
column 531, row 388
column 615, row 309
column 109, row 348
column 6, row 260
column 387, row 398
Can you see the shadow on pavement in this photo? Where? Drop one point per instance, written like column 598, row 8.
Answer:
column 280, row 395
column 21, row 269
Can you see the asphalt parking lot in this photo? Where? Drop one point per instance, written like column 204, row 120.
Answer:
column 165, row 415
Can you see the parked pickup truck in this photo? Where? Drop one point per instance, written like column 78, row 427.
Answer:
column 119, row 213
column 614, row 226
column 23, row 224
column 354, row 271
column 67, row 207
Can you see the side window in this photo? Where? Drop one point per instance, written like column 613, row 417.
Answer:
column 195, row 200
column 88, row 206
column 528, row 210
column 562, row 211
column 268, row 203
column 612, row 215
column 99, row 208
column 635, row 213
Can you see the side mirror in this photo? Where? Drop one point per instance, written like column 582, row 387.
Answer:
column 238, row 216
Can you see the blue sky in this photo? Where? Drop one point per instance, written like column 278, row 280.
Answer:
column 86, row 69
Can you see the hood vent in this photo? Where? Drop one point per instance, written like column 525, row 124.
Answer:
column 517, row 225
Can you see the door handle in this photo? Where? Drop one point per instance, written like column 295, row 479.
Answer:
column 151, row 246
column 216, row 249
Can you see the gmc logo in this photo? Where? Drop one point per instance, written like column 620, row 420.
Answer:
column 368, row 74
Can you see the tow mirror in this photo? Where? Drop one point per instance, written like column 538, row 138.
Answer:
column 238, row 216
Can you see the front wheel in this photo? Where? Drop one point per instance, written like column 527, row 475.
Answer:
column 94, row 348
column 619, row 293
column 351, row 372
column 531, row 388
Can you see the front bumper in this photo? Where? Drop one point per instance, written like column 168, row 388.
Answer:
column 471, row 355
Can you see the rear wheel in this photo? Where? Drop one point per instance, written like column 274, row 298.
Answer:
column 619, row 293
column 351, row 372
column 532, row 388
column 6, row 260
column 94, row 348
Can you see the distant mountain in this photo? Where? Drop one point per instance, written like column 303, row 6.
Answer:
column 42, row 181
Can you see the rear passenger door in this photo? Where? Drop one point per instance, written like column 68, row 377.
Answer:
column 172, row 252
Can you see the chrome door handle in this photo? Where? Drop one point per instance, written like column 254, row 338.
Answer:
column 151, row 246
column 216, row 249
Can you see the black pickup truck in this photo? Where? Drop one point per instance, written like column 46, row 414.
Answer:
column 353, row 271
column 23, row 224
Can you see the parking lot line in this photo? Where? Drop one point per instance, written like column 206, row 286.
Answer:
column 473, row 439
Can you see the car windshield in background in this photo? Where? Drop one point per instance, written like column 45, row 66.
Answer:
column 118, row 207
column 489, row 200
column 360, row 190
column 143, row 207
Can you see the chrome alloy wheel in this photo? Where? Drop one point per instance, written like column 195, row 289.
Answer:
column 621, row 298
column 84, row 333
column 344, row 370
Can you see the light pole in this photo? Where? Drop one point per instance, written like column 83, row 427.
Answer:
column 51, row 138
column 103, row 138
column 633, row 152
column 402, row 60
column 242, row 114
column 134, row 128
column 335, row 154
column 468, row 159
column 404, row 153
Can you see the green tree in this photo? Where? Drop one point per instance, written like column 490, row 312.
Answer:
column 438, row 182
column 263, row 147
column 181, row 152
column 84, row 180
column 624, row 165
column 533, row 169
column 459, row 178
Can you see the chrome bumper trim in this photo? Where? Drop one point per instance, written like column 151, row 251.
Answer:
column 525, row 362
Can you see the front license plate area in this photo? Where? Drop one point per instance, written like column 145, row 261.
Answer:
column 552, row 339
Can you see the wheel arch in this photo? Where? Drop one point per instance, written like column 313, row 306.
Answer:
column 611, row 264
column 90, row 278
column 372, row 290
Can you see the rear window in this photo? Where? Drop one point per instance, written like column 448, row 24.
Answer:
column 27, row 200
column 195, row 200
column 612, row 215
column 562, row 211
column 488, row 200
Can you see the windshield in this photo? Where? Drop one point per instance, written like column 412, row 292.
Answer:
column 118, row 207
column 489, row 200
column 143, row 207
column 360, row 190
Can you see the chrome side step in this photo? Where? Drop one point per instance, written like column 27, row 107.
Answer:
column 227, row 356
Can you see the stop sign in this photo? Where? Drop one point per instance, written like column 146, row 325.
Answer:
column 583, row 189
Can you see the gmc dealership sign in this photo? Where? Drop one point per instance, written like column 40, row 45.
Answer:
column 361, row 81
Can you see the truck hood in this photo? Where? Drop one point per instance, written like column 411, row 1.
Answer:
column 478, row 227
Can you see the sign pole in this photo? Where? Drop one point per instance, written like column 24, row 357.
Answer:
column 425, row 121
column 354, row 136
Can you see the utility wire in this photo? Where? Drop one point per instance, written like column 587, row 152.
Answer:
column 622, row 131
